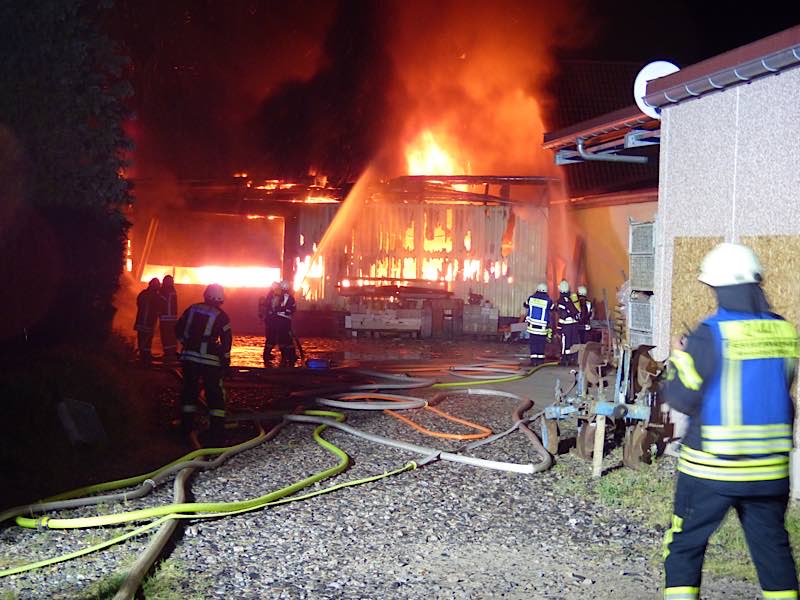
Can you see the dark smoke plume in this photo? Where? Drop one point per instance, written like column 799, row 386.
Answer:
column 336, row 121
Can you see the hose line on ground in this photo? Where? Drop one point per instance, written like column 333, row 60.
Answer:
column 202, row 507
column 491, row 381
column 144, row 528
column 406, row 402
column 425, row 451
column 149, row 481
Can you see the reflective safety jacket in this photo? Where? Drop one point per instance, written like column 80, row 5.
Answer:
column 169, row 307
column 205, row 333
column 743, row 428
column 567, row 313
column 148, row 307
column 586, row 312
column 539, row 307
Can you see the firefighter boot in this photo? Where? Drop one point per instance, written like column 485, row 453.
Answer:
column 267, row 356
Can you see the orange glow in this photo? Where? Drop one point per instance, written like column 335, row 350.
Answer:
column 425, row 156
column 319, row 200
column 129, row 258
column 306, row 270
column 250, row 277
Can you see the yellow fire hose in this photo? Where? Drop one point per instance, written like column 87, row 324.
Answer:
column 203, row 510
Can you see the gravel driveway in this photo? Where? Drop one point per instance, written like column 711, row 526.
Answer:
column 445, row 530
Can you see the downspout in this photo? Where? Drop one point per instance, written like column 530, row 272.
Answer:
column 585, row 155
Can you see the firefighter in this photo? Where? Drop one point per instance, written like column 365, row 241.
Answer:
column 586, row 312
column 148, row 304
column 538, row 311
column 284, row 307
column 732, row 376
column 204, row 331
column 167, row 318
column 266, row 310
column 567, row 323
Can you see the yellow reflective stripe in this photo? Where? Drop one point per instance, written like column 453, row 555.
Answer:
column 791, row 594
column 685, row 592
column 703, row 458
column 758, row 338
column 540, row 302
column 748, row 446
column 684, row 365
column 216, row 412
column 766, row 473
column 205, row 359
column 723, row 432
column 677, row 527
column 731, row 392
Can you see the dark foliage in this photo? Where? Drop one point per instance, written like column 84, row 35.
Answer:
column 62, row 144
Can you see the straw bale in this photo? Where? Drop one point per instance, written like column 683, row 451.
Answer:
column 692, row 301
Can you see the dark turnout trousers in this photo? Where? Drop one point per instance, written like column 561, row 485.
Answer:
column 700, row 507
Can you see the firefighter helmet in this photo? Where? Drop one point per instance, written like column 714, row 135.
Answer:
column 214, row 294
column 582, row 290
column 563, row 287
column 730, row 264
column 168, row 281
column 154, row 284
column 542, row 287
column 285, row 285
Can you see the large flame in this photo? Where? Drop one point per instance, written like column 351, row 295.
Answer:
column 426, row 156
column 245, row 276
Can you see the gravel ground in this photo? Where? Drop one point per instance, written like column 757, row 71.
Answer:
column 445, row 530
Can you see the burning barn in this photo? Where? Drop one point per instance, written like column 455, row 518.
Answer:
column 403, row 243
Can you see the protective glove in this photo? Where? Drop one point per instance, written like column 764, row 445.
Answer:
column 549, row 334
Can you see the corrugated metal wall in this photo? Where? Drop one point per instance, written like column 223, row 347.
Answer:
column 489, row 250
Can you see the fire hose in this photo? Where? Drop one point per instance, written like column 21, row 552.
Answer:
column 171, row 512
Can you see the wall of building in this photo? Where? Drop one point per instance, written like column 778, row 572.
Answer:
column 605, row 231
column 729, row 171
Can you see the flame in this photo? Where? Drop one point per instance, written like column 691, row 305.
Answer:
column 425, row 156
column 244, row 276
column 306, row 269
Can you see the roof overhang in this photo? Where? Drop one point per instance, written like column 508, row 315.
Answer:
column 612, row 137
column 615, row 136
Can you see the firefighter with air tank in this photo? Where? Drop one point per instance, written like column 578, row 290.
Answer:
column 204, row 331
column 538, row 313
column 568, row 325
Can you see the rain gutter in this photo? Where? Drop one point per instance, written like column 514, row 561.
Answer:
column 768, row 56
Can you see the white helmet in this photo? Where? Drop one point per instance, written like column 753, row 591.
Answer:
column 730, row 264
column 563, row 287
column 582, row 290
column 214, row 294
column 285, row 285
column 542, row 287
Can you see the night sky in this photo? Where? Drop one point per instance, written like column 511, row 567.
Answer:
column 283, row 87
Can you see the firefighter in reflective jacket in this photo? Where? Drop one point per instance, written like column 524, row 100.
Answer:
column 148, row 307
column 539, row 308
column 285, row 306
column 585, row 312
column 732, row 376
column 168, row 317
column 568, row 324
column 204, row 331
